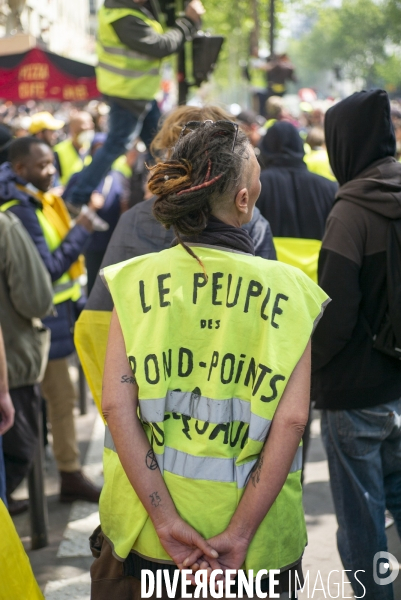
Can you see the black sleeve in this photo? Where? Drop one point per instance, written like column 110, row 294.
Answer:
column 339, row 277
column 140, row 37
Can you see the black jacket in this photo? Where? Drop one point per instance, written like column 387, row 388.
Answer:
column 348, row 373
column 294, row 201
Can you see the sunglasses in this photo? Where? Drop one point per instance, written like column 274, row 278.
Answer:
column 221, row 127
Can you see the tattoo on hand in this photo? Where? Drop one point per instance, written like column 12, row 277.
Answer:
column 155, row 498
column 151, row 461
column 127, row 379
column 255, row 473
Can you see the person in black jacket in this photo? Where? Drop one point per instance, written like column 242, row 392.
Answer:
column 294, row 201
column 357, row 386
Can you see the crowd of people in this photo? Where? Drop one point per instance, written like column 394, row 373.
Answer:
column 296, row 209
column 202, row 265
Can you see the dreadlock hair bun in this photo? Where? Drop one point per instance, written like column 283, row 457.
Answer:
column 202, row 171
column 171, row 208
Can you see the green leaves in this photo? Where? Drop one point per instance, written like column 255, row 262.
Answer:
column 360, row 36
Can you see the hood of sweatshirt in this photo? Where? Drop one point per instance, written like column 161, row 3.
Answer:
column 8, row 189
column 377, row 188
column 282, row 146
column 359, row 132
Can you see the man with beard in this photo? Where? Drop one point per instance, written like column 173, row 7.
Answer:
column 24, row 185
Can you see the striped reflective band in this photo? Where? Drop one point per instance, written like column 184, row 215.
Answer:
column 61, row 287
column 127, row 72
column 108, row 440
column 206, row 409
column 320, row 315
column 127, row 53
column 223, row 470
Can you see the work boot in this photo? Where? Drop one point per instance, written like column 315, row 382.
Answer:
column 17, row 507
column 75, row 486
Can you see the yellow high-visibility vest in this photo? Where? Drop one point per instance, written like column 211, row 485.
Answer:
column 299, row 252
column 70, row 161
column 16, row 577
column 122, row 72
column 317, row 162
column 64, row 288
column 212, row 358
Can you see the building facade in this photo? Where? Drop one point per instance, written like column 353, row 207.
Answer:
column 66, row 27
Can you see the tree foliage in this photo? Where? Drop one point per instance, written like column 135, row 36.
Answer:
column 359, row 38
column 245, row 25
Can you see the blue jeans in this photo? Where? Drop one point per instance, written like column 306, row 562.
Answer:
column 2, row 474
column 364, row 455
column 124, row 127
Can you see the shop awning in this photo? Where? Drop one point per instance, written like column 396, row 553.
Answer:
column 41, row 75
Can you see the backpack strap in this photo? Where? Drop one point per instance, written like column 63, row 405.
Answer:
column 8, row 205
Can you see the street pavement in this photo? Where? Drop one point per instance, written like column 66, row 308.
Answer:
column 62, row 568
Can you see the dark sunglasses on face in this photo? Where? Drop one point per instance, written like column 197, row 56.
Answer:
column 221, row 127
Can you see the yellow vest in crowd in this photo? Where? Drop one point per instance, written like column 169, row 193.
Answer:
column 17, row 581
column 211, row 359
column 54, row 221
column 123, row 72
column 299, row 252
column 70, row 161
column 317, row 162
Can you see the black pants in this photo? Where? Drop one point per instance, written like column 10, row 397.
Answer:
column 19, row 443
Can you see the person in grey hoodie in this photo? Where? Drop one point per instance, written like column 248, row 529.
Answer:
column 357, row 386
column 26, row 295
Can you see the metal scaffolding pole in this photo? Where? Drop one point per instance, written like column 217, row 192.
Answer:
column 272, row 32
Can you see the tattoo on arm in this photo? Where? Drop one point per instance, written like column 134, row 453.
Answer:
column 127, row 379
column 151, row 461
column 155, row 499
column 255, row 473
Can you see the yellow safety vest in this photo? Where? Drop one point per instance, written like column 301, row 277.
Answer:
column 211, row 359
column 269, row 123
column 16, row 577
column 317, row 162
column 70, row 161
column 121, row 165
column 300, row 253
column 123, row 72
column 64, row 288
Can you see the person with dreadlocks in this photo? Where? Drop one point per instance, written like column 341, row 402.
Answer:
column 206, row 385
column 137, row 233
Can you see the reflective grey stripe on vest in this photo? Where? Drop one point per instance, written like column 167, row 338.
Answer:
column 127, row 53
column 206, row 409
column 108, row 440
column 62, row 287
column 320, row 315
column 207, row 468
column 127, row 72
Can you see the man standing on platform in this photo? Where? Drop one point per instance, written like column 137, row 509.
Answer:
column 131, row 45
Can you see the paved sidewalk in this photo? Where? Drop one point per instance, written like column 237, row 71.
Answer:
column 62, row 569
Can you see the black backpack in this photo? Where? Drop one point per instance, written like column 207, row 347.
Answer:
column 388, row 338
